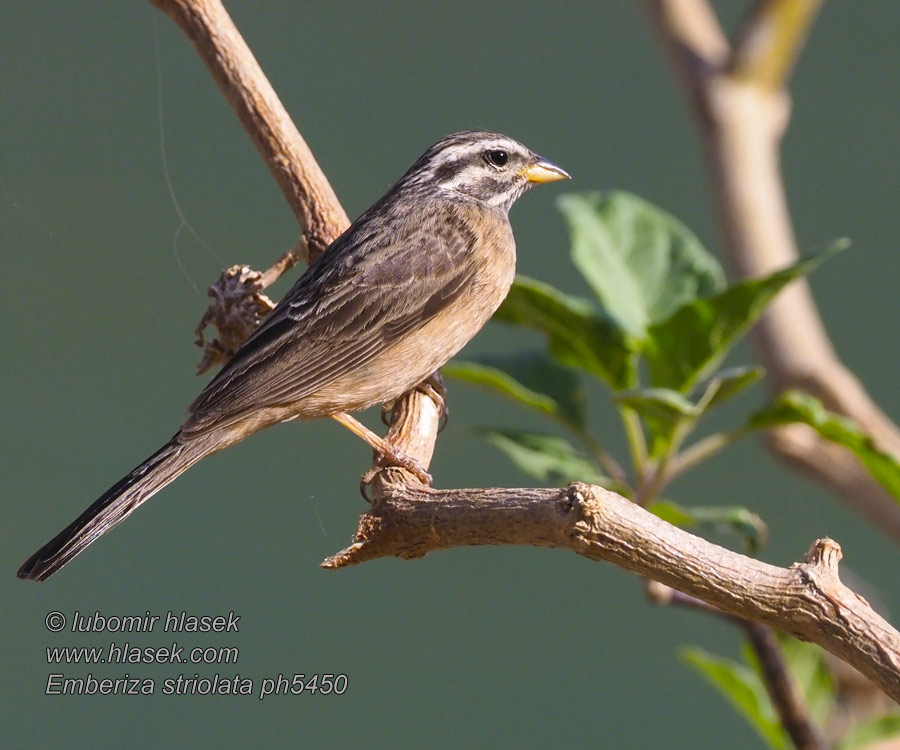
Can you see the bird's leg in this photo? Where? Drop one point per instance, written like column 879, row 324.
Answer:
column 433, row 387
column 387, row 451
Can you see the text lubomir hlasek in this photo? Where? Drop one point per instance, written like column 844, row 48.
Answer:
column 171, row 622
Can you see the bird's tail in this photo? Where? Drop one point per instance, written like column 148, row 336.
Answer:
column 118, row 502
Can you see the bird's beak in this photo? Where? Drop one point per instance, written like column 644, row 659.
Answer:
column 544, row 171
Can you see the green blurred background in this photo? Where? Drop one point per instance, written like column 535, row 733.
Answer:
column 486, row 647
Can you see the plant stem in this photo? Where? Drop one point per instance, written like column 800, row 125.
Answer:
column 607, row 461
column 664, row 473
column 786, row 696
column 702, row 450
column 637, row 443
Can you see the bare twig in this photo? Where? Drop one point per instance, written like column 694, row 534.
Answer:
column 807, row 600
column 785, row 694
column 738, row 97
column 790, row 705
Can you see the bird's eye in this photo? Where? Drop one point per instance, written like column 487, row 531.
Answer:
column 497, row 158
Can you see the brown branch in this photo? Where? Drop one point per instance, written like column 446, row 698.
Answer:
column 260, row 111
column 806, row 600
column 785, row 694
column 741, row 106
column 790, row 705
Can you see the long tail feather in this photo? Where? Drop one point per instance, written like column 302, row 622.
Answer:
column 111, row 508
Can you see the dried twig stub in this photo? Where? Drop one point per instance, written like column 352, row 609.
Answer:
column 236, row 310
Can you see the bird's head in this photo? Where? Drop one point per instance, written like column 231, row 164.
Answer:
column 487, row 167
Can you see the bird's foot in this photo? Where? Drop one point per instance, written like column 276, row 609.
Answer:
column 390, row 456
column 387, row 453
column 394, row 457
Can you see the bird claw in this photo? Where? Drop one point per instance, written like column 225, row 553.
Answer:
column 433, row 387
column 365, row 481
column 387, row 411
column 401, row 460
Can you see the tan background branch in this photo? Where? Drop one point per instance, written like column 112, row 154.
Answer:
column 738, row 97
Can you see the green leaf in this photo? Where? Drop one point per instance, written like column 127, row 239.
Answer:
column 580, row 333
column 641, row 262
column 871, row 731
column 530, row 378
column 690, row 343
column 735, row 520
column 547, row 457
column 660, row 403
column 794, row 406
column 728, row 383
column 741, row 687
column 661, row 410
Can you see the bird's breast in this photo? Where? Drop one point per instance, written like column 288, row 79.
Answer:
column 415, row 356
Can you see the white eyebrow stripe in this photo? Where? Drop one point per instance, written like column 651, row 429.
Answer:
column 465, row 149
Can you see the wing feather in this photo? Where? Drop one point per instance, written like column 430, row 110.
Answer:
column 367, row 292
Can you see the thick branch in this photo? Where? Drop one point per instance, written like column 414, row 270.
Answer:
column 265, row 119
column 742, row 108
column 806, row 600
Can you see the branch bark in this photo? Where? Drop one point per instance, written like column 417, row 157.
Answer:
column 806, row 600
column 248, row 91
column 737, row 94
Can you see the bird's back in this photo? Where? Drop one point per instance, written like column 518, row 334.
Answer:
column 392, row 300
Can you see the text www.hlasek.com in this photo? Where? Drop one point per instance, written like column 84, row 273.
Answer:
column 125, row 653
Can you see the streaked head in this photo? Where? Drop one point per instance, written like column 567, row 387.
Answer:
column 488, row 167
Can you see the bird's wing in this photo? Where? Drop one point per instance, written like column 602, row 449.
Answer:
column 365, row 294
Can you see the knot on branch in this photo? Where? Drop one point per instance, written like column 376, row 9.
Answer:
column 236, row 310
column 574, row 495
column 825, row 554
column 819, row 570
column 582, row 506
column 820, row 567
